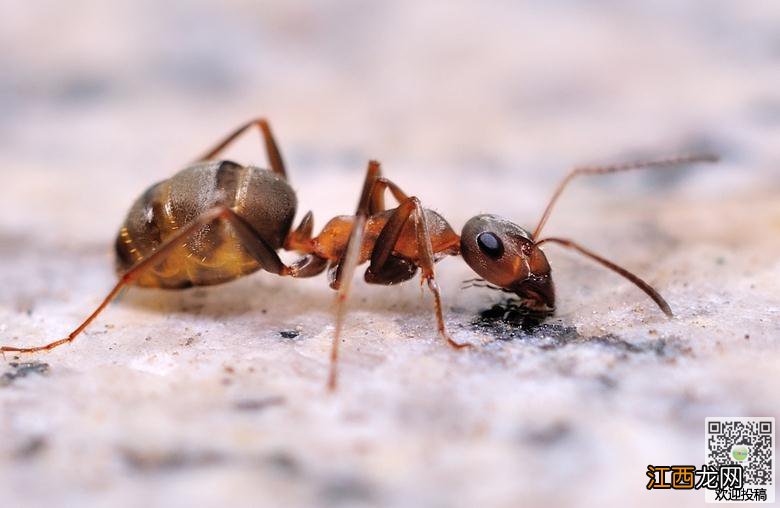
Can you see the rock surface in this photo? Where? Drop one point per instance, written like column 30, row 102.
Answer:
column 215, row 397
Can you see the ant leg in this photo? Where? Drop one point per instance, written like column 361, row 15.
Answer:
column 644, row 286
column 344, row 271
column 377, row 194
column 376, row 185
column 307, row 266
column 384, row 266
column 600, row 170
column 127, row 278
column 372, row 202
column 256, row 246
column 271, row 149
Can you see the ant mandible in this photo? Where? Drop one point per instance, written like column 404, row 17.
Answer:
column 216, row 221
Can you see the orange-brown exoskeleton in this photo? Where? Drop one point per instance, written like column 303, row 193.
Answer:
column 217, row 220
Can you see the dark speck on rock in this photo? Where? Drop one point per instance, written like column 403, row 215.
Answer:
column 548, row 435
column 22, row 369
column 30, row 448
column 283, row 463
column 151, row 461
column 251, row 405
column 346, row 490
column 607, row 382
column 289, row 334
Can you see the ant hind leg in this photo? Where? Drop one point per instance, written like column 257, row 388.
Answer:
column 271, row 148
column 256, row 246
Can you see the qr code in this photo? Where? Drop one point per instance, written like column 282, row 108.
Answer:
column 749, row 442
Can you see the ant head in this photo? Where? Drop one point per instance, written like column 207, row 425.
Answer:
column 505, row 255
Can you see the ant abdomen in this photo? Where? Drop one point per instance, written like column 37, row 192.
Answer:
column 214, row 254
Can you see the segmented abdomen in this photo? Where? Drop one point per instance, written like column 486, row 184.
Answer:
column 213, row 254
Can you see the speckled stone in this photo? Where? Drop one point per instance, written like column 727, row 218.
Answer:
column 215, row 397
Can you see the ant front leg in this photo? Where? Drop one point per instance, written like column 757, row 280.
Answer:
column 385, row 268
column 265, row 255
column 271, row 148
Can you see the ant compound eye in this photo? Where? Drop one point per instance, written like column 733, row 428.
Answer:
column 490, row 244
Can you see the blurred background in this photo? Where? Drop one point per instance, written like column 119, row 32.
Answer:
column 127, row 92
column 473, row 106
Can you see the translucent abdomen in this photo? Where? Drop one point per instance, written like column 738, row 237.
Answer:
column 213, row 254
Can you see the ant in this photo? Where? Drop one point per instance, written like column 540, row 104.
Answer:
column 216, row 221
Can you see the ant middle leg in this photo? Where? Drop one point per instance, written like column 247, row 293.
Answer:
column 251, row 240
column 385, row 268
column 271, row 148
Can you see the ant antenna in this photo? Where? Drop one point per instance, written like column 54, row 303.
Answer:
column 615, row 168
